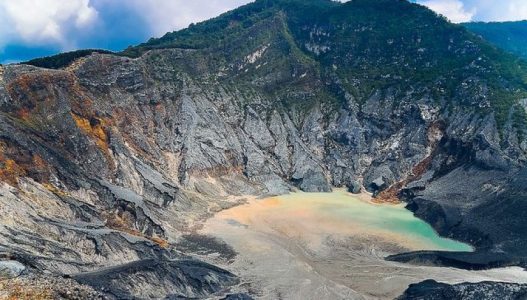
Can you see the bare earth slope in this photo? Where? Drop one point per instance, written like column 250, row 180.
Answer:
column 112, row 160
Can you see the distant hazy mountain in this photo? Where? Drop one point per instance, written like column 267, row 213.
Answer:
column 510, row 36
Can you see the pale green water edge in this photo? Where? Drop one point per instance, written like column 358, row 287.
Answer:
column 392, row 218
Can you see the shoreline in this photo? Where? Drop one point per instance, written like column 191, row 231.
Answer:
column 272, row 255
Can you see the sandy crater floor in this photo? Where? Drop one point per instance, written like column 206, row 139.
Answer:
column 331, row 246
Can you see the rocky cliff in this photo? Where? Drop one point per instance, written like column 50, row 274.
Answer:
column 110, row 160
column 486, row 290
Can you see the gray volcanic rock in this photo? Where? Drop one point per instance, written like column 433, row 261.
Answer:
column 485, row 209
column 106, row 163
column 170, row 279
column 11, row 268
column 354, row 188
column 433, row 290
column 238, row 297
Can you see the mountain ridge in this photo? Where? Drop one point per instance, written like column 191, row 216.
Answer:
column 509, row 36
column 204, row 35
column 113, row 159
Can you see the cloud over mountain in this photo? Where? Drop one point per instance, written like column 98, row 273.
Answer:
column 45, row 21
column 479, row 10
column 454, row 10
column 32, row 28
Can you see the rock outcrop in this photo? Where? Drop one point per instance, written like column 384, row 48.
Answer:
column 108, row 162
column 433, row 290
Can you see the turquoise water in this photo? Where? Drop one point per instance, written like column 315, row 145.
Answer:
column 394, row 220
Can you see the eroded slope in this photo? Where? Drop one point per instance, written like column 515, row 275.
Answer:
column 112, row 159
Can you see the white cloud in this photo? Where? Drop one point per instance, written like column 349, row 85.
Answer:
column 43, row 21
column 66, row 24
column 164, row 16
column 479, row 10
column 514, row 11
column 454, row 10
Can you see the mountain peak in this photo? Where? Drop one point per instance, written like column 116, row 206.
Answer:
column 109, row 164
column 299, row 12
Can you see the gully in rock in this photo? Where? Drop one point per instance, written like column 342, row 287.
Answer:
column 213, row 162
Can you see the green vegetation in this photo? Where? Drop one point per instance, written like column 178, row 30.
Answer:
column 62, row 60
column 509, row 36
column 370, row 46
column 215, row 32
column 362, row 47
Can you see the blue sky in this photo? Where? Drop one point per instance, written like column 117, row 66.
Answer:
column 34, row 28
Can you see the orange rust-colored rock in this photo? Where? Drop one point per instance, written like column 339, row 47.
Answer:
column 123, row 224
column 19, row 291
column 33, row 88
column 161, row 242
column 38, row 162
column 23, row 114
column 38, row 92
column 421, row 168
column 10, row 171
column 15, row 163
column 95, row 128
column 55, row 190
column 216, row 171
column 390, row 195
